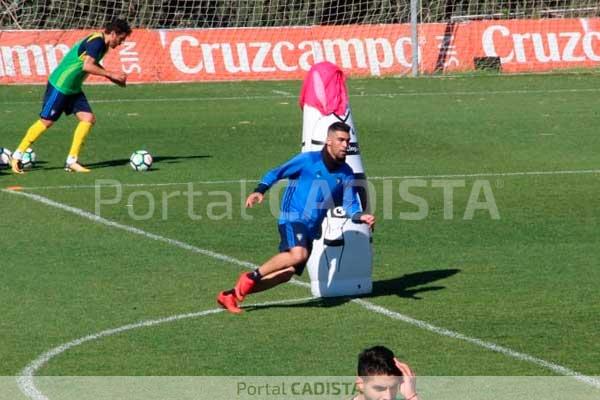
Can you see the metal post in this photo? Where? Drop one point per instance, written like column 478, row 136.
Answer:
column 414, row 10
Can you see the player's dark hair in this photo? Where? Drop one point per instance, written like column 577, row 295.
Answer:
column 338, row 127
column 377, row 360
column 118, row 26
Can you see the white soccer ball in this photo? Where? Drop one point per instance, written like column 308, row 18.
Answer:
column 140, row 160
column 5, row 155
column 28, row 160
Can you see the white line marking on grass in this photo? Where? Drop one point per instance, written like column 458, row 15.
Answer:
column 372, row 178
column 130, row 229
column 25, row 380
column 215, row 182
column 352, row 95
column 366, row 304
column 559, row 369
column 281, row 92
column 491, row 174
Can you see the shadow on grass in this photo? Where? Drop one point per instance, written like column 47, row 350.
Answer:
column 312, row 303
column 37, row 165
column 125, row 161
column 407, row 286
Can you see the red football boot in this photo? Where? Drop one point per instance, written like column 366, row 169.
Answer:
column 227, row 301
column 243, row 287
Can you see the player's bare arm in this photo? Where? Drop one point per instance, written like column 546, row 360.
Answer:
column 90, row 66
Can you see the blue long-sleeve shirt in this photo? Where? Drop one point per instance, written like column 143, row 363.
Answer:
column 313, row 189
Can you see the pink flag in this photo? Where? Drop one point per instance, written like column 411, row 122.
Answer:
column 324, row 88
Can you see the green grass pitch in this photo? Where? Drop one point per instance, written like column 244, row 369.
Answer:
column 527, row 281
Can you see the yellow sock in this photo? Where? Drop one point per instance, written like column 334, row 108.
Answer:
column 81, row 132
column 33, row 133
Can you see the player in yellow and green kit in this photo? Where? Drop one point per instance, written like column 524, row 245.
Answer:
column 64, row 91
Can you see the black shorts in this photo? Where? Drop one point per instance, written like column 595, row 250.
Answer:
column 295, row 234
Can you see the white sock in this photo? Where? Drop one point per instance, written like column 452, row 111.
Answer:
column 71, row 160
column 17, row 155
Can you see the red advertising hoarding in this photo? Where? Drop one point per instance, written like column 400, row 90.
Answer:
column 287, row 53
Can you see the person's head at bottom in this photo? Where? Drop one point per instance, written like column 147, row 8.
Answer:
column 378, row 377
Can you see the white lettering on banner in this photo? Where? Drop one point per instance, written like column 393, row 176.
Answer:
column 489, row 47
column 375, row 63
column 343, row 47
column 52, row 57
column 576, row 47
column 569, row 51
column 540, row 52
column 315, row 52
column 278, row 57
column 399, row 51
column 375, row 54
column 176, row 53
column 207, row 63
column 22, row 54
column 207, row 56
column 588, row 48
column 519, row 46
column 242, row 53
column 258, row 65
column 447, row 48
column 130, row 58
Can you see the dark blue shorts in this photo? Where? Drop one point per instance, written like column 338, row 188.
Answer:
column 56, row 103
column 295, row 234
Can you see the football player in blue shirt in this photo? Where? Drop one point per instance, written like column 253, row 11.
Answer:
column 318, row 181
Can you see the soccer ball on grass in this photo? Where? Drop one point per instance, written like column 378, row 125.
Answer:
column 29, row 158
column 5, row 155
column 140, row 160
